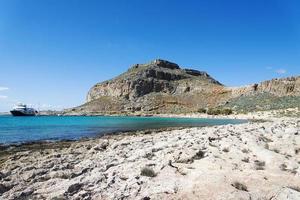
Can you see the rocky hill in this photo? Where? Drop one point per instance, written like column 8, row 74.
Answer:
column 278, row 87
column 268, row 95
column 158, row 76
column 164, row 87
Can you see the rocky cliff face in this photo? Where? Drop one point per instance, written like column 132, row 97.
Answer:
column 164, row 87
column 158, row 86
column 159, row 76
column 278, row 87
column 268, row 95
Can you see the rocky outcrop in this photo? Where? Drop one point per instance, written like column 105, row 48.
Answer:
column 142, row 79
column 278, row 87
column 158, row 86
column 268, row 95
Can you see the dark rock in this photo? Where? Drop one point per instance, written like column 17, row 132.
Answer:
column 74, row 188
column 102, row 146
column 3, row 175
column 195, row 72
column 165, row 64
column 26, row 193
column 110, row 165
column 199, row 155
column 4, row 188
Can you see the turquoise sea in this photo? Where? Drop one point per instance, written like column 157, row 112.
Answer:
column 28, row 129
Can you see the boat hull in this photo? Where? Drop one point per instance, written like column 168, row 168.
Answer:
column 19, row 113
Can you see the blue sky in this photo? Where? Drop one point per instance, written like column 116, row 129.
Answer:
column 53, row 51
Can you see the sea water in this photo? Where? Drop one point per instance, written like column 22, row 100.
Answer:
column 28, row 129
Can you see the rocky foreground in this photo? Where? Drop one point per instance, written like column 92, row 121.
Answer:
column 258, row 160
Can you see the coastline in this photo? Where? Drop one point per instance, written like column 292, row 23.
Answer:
column 183, row 122
column 244, row 161
column 9, row 149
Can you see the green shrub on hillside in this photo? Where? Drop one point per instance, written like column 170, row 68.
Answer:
column 226, row 111
column 262, row 102
column 213, row 111
column 201, row 110
column 219, row 111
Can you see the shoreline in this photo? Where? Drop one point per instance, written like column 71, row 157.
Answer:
column 264, row 115
column 247, row 161
column 9, row 149
column 4, row 146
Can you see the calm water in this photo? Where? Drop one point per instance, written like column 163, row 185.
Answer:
column 25, row 129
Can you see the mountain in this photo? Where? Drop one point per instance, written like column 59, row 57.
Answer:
column 164, row 87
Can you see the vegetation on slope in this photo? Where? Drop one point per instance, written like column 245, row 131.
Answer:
column 262, row 102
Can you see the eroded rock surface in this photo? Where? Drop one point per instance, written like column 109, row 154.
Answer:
column 141, row 79
column 246, row 161
column 279, row 87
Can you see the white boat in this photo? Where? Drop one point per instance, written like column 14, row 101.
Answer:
column 23, row 110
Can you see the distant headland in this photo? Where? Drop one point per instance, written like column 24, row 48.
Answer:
column 161, row 87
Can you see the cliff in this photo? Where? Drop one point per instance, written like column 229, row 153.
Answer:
column 268, row 95
column 164, row 87
column 157, row 76
column 279, row 87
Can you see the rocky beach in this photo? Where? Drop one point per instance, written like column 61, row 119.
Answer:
column 256, row 160
column 149, row 100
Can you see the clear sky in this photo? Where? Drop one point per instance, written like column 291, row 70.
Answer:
column 53, row 51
